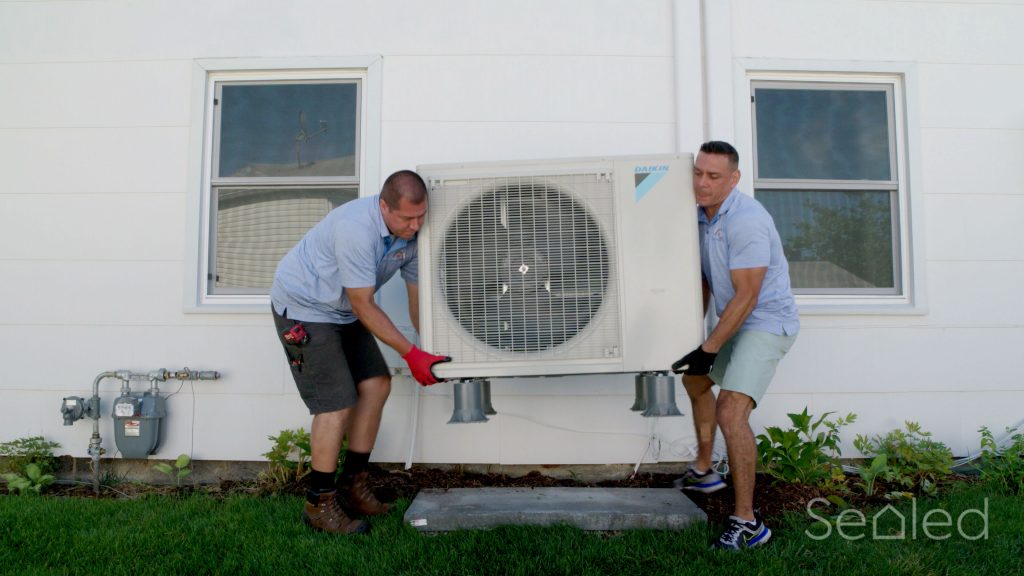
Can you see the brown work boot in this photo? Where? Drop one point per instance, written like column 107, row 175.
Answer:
column 327, row 516
column 358, row 498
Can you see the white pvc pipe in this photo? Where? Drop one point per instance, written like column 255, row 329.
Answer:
column 415, row 425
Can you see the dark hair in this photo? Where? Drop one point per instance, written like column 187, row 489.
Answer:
column 724, row 148
column 403, row 184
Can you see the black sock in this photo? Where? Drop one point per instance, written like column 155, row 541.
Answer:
column 319, row 482
column 355, row 462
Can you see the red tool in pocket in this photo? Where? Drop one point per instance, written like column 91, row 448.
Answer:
column 296, row 335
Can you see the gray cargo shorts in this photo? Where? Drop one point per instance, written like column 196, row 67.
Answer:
column 328, row 367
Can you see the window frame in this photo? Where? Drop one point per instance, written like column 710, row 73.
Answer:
column 911, row 296
column 208, row 76
column 892, row 185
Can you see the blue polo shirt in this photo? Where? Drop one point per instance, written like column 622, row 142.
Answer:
column 350, row 248
column 743, row 235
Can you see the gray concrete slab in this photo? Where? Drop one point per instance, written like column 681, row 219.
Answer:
column 436, row 510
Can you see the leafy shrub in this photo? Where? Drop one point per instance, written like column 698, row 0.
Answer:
column 288, row 458
column 32, row 482
column 913, row 460
column 18, row 454
column 803, row 453
column 1003, row 468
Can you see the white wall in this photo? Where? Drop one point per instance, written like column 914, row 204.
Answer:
column 95, row 121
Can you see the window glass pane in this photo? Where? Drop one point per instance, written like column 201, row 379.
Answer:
column 256, row 227
column 822, row 134
column 835, row 239
column 285, row 130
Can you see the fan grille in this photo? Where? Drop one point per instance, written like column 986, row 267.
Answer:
column 525, row 266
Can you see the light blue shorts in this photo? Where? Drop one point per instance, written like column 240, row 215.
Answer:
column 746, row 364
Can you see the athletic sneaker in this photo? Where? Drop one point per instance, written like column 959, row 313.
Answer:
column 694, row 481
column 741, row 534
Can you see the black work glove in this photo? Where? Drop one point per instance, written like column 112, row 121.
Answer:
column 696, row 363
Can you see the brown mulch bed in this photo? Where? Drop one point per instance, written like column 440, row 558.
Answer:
column 772, row 498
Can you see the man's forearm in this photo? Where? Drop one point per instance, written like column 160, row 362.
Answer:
column 746, row 283
column 732, row 318
column 378, row 323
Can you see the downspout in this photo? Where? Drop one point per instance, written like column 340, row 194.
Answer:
column 702, row 25
column 683, row 12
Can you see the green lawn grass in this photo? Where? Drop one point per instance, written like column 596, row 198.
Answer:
column 200, row 534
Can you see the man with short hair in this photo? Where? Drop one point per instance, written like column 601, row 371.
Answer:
column 326, row 318
column 744, row 269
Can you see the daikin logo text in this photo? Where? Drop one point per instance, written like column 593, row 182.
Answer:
column 650, row 169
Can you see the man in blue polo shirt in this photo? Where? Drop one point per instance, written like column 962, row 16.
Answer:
column 326, row 319
column 745, row 271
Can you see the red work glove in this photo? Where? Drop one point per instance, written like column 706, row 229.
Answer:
column 421, row 364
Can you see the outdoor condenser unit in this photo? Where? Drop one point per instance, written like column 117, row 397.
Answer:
column 581, row 266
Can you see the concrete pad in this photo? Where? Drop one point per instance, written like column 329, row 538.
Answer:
column 435, row 510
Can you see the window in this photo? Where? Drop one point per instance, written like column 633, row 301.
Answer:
column 281, row 147
column 826, row 166
column 285, row 154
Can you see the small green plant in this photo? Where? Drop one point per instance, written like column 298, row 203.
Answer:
column 111, row 478
column 179, row 471
column 32, row 482
column 1002, row 468
column 804, row 453
column 914, row 460
column 868, row 474
column 18, row 454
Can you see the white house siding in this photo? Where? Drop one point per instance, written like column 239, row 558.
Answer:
column 95, row 125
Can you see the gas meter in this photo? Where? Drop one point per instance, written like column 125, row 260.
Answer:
column 137, row 419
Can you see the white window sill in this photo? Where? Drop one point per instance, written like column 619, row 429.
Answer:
column 860, row 309
column 230, row 305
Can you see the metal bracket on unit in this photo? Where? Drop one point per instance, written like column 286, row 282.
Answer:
column 655, row 394
column 472, row 401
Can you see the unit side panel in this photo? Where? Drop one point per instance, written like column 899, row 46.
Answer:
column 660, row 261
